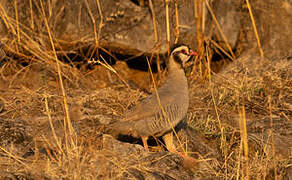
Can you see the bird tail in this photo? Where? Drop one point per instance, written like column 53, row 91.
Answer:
column 109, row 125
column 119, row 127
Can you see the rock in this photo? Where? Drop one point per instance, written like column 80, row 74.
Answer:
column 127, row 28
column 196, row 144
column 228, row 16
column 274, row 24
column 120, row 148
column 259, row 132
column 138, row 163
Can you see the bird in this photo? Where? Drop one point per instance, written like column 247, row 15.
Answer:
column 160, row 112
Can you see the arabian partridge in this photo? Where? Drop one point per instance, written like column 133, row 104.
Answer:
column 153, row 117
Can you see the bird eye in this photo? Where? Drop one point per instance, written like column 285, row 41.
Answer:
column 184, row 51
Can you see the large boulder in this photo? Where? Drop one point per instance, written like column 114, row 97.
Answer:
column 274, row 24
column 126, row 27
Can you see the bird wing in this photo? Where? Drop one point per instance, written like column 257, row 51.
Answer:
column 148, row 107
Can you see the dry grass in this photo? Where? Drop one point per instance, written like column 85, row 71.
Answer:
column 222, row 110
column 241, row 94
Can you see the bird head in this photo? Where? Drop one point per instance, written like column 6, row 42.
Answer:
column 182, row 53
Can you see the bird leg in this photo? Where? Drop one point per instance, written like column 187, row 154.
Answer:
column 144, row 140
column 168, row 140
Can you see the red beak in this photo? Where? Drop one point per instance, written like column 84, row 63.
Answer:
column 193, row 53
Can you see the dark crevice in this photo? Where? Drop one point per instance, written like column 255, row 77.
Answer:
column 81, row 58
column 136, row 2
column 141, row 3
column 220, row 59
column 85, row 57
column 139, row 62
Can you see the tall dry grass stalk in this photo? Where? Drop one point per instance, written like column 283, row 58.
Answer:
column 156, row 37
column 239, row 162
column 204, row 41
column 223, row 142
column 245, row 141
column 220, row 29
column 176, row 22
column 272, row 137
column 198, row 9
column 71, row 137
column 167, row 24
column 100, row 23
column 17, row 26
column 243, row 133
column 255, row 29
column 6, row 20
column 95, row 33
column 31, row 15
column 15, row 157
column 51, row 123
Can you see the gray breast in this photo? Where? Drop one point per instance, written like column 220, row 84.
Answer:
column 162, row 122
column 165, row 119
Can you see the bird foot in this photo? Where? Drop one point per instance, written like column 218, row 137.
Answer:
column 188, row 161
